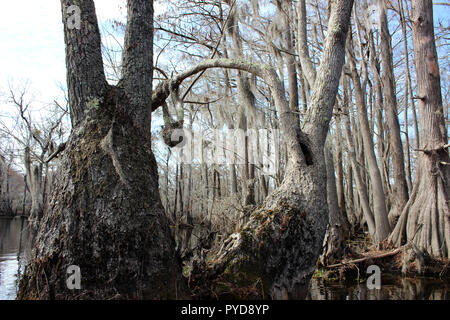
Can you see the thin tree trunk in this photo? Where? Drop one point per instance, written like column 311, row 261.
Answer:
column 340, row 177
column 247, row 112
column 382, row 228
column 381, row 141
column 408, row 94
column 34, row 182
column 408, row 74
column 360, row 182
column 290, row 59
column 400, row 187
column 302, row 43
column 167, row 184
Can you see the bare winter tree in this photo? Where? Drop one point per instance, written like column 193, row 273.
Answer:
column 106, row 215
column 283, row 238
column 38, row 141
column 400, row 187
column 221, row 65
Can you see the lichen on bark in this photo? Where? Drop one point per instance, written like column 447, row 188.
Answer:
column 115, row 231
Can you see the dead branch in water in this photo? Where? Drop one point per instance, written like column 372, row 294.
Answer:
column 375, row 256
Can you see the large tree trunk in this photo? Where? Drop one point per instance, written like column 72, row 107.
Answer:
column 105, row 215
column 283, row 238
column 425, row 221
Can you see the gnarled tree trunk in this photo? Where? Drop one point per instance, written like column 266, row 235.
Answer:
column 425, row 221
column 105, row 214
column 283, row 238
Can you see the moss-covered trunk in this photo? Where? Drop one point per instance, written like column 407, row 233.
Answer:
column 280, row 244
column 105, row 217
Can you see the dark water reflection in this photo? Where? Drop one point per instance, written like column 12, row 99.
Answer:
column 392, row 288
column 15, row 249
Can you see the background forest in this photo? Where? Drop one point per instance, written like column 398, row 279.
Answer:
column 386, row 148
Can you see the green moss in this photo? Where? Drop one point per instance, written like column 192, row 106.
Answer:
column 187, row 269
column 336, row 28
column 328, row 275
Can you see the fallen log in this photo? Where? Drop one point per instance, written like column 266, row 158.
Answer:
column 375, row 256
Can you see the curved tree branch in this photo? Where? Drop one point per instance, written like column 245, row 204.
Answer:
column 164, row 88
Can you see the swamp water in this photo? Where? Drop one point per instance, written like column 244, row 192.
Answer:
column 15, row 248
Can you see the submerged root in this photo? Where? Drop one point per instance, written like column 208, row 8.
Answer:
column 275, row 251
column 425, row 220
column 407, row 260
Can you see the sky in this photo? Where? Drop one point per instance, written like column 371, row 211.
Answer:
column 32, row 40
column 32, row 44
column 32, row 48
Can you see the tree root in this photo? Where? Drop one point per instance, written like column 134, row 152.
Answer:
column 407, row 259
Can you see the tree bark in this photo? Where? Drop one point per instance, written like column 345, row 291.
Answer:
column 86, row 83
column 425, row 221
column 137, row 64
column 334, row 242
column 105, row 215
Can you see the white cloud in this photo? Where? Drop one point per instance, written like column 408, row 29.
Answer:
column 33, row 44
column 31, row 34
column 110, row 9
